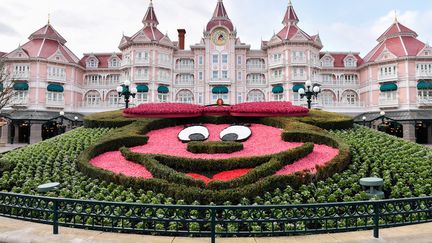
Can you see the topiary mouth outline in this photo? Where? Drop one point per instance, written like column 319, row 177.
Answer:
column 214, row 147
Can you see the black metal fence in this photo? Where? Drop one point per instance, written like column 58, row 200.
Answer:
column 221, row 221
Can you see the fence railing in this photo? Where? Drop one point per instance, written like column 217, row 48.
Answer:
column 212, row 221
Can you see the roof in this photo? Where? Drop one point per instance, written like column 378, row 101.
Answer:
column 150, row 18
column 41, row 116
column 290, row 15
column 45, row 43
column 407, row 115
column 399, row 41
column 339, row 58
column 2, row 53
column 220, row 18
column 102, row 57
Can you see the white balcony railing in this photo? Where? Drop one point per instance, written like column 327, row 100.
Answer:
column 55, row 103
column 299, row 77
column 126, row 62
column 144, row 61
column 165, row 64
column 276, row 79
column 426, row 74
column 388, row 103
column 20, row 75
column 142, row 77
column 19, row 101
column 276, row 63
column 188, row 82
column 164, row 79
column 185, row 67
column 424, row 101
column 56, row 78
column 298, row 60
column 387, row 77
column 256, row 82
column 255, row 67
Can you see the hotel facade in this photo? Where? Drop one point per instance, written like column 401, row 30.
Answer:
column 394, row 77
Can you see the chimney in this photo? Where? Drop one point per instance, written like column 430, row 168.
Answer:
column 181, row 38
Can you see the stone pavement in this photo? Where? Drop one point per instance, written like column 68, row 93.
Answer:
column 8, row 147
column 15, row 231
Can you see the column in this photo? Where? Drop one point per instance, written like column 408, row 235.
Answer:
column 16, row 134
column 35, row 133
column 409, row 132
column 4, row 135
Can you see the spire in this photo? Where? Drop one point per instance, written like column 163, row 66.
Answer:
column 150, row 18
column 395, row 17
column 49, row 19
column 220, row 11
column 290, row 17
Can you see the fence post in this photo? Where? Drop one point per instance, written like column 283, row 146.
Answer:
column 213, row 224
column 376, row 206
column 55, row 219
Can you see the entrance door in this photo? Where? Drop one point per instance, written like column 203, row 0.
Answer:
column 392, row 128
column 50, row 129
column 422, row 133
column 24, row 132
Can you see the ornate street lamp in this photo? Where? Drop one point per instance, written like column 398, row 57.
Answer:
column 364, row 120
column 126, row 91
column 62, row 126
column 311, row 91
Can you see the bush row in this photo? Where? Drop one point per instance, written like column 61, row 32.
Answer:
column 214, row 147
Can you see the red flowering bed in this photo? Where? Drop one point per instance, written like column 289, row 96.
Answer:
column 217, row 110
column 222, row 176
column 266, row 109
column 164, row 110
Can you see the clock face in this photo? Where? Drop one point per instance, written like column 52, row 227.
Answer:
column 219, row 37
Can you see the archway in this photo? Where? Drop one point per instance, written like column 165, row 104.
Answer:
column 255, row 95
column 392, row 128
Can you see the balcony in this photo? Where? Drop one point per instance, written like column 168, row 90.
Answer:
column 298, row 61
column 424, row 101
column 165, row 64
column 256, row 82
column 388, row 103
column 299, row 77
column 277, row 79
column 56, row 78
column 387, row 77
column 187, row 82
column 126, row 63
column 276, row 63
column 188, row 68
column 256, row 68
column 142, row 61
column 424, row 74
column 221, row 81
column 164, row 79
column 55, row 103
column 19, row 101
column 142, row 78
column 20, row 75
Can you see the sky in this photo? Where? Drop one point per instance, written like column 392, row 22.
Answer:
column 98, row 25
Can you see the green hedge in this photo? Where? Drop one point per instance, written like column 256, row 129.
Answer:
column 214, row 147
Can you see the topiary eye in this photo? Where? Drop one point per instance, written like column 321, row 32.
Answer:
column 236, row 133
column 194, row 133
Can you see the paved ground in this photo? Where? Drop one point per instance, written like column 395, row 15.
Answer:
column 15, row 231
column 9, row 147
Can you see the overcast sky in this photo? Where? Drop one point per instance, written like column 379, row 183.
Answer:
column 97, row 25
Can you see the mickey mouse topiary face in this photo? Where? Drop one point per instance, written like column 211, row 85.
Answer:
column 190, row 155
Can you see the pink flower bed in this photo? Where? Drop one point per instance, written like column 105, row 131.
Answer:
column 217, row 110
column 223, row 176
column 264, row 109
column 115, row 162
column 320, row 156
column 265, row 140
column 164, row 110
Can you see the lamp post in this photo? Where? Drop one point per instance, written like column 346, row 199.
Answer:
column 364, row 120
column 126, row 91
column 62, row 113
column 311, row 91
column 75, row 121
column 382, row 113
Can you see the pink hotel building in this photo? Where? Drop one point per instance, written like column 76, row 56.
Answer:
column 395, row 77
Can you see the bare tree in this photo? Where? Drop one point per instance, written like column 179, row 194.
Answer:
column 6, row 86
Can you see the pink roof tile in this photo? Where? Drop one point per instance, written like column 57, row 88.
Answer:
column 290, row 15
column 339, row 58
column 2, row 53
column 150, row 16
column 220, row 18
column 397, row 29
column 47, row 32
column 103, row 58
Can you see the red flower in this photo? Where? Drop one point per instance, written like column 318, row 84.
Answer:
column 217, row 110
column 264, row 109
column 222, row 176
column 164, row 110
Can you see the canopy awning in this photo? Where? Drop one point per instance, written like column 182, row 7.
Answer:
column 163, row 90
column 278, row 89
column 423, row 84
column 220, row 90
column 297, row 87
column 21, row 86
column 55, row 88
column 388, row 87
column 142, row 88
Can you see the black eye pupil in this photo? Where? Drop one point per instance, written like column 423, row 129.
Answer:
column 196, row 137
column 230, row 137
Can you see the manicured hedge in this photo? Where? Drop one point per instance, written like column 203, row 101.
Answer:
column 214, row 147
column 111, row 119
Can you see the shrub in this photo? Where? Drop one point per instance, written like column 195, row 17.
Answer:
column 214, row 147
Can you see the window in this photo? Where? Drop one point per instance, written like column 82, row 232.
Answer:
column 256, row 79
column 239, row 76
column 114, row 62
column 93, row 79
column 327, row 62
column 20, row 97
column 21, row 71
column 142, row 73
column 164, row 59
column 388, row 72
column 142, row 56
column 277, row 57
column 164, row 75
column 200, row 75
column 327, row 78
column 224, row 59
column 113, row 99
column 92, row 63
column 255, row 96
column 163, row 98
column 93, row 99
column 201, row 60
column 215, row 75
column 349, row 97
column 56, row 73
column 200, row 98
column 278, row 74
column 278, row 97
column 298, row 73
column 327, row 98
column 350, row 62
column 224, row 97
column 185, row 96
column 388, row 96
column 255, row 63
column 425, row 96
column 349, row 79
column 185, row 79
column 141, row 97
column 239, row 98
column 215, row 59
column 225, row 74
column 239, row 60
column 54, row 96
column 298, row 56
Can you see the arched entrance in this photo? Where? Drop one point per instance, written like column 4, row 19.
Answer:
column 391, row 127
column 422, row 132
column 24, row 132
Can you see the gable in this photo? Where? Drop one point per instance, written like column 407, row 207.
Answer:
column 386, row 55
column 57, row 57
column 18, row 53
column 425, row 52
column 141, row 37
column 299, row 37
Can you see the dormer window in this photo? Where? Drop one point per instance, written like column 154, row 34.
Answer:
column 327, row 62
column 114, row 62
column 350, row 62
column 92, row 63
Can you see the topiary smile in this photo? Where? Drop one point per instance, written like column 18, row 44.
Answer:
column 214, row 147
